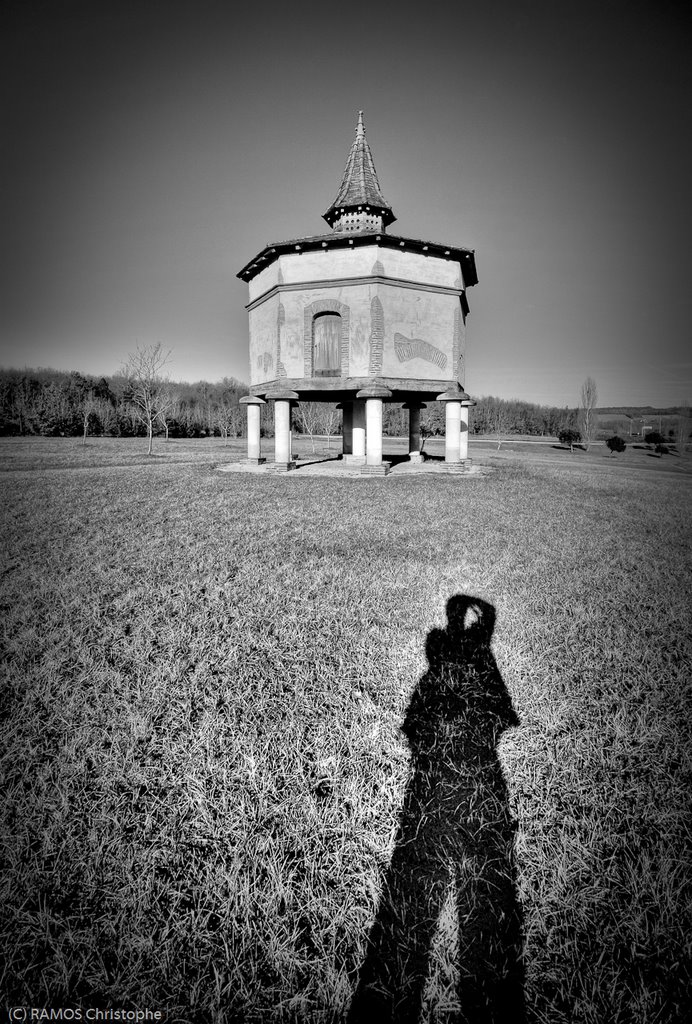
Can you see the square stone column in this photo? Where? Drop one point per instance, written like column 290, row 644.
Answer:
column 282, row 427
column 253, row 406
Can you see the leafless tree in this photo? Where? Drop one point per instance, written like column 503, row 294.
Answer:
column 147, row 389
column 588, row 420
column 168, row 402
column 106, row 413
column 329, row 420
column 498, row 420
column 228, row 417
column 308, row 416
column 88, row 407
column 683, row 427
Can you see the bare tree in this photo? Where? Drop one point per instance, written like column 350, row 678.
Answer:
column 308, row 418
column 168, row 402
column 498, row 420
column 88, row 408
column 683, row 427
column 148, row 390
column 228, row 418
column 106, row 413
column 329, row 420
column 587, row 411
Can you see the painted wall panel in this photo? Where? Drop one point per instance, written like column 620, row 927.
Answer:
column 264, row 321
column 419, row 334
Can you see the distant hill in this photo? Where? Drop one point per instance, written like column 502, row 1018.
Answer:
column 637, row 411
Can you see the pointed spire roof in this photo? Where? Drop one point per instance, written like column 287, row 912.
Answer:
column 360, row 187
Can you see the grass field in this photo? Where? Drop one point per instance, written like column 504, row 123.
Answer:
column 205, row 778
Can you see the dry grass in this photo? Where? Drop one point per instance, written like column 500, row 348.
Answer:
column 204, row 679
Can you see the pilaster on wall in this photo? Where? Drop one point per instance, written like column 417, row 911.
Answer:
column 376, row 336
column 457, row 346
column 280, row 321
column 309, row 314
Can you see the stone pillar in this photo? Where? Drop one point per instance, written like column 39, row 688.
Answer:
column 457, row 403
column 374, row 395
column 452, row 431
column 414, row 445
column 373, row 431
column 347, row 428
column 358, row 435
column 282, row 432
column 282, row 427
column 253, row 406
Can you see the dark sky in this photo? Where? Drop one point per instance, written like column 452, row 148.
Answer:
column 150, row 149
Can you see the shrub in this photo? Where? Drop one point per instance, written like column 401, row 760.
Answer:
column 654, row 438
column 570, row 437
column 615, row 444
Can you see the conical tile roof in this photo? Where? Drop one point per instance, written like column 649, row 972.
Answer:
column 360, row 186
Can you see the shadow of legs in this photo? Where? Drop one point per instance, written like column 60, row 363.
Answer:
column 455, row 826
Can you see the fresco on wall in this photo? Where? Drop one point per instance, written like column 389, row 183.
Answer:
column 264, row 320
column 416, row 348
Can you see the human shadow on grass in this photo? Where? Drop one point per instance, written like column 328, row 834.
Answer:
column 455, row 831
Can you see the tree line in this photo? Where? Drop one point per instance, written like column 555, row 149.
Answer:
column 141, row 400
column 54, row 403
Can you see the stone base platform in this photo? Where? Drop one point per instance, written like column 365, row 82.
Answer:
column 338, row 468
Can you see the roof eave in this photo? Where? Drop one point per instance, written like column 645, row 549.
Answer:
column 342, row 240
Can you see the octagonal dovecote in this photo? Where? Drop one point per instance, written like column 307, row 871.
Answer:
column 329, row 314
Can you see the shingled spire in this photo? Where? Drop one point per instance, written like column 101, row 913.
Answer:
column 359, row 203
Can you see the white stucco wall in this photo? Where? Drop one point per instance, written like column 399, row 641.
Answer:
column 414, row 327
column 331, row 264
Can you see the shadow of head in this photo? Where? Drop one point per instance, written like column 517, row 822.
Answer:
column 470, row 626
column 463, row 687
column 470, row 619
